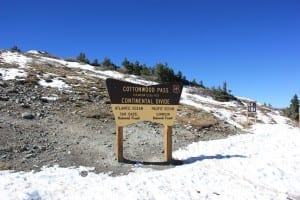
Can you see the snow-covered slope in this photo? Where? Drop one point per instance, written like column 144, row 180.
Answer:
column 19, row 65
column 264, row 164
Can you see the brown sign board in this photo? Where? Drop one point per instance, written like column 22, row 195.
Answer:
column 132, row 103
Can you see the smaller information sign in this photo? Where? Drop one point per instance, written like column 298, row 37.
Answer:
column 252, row 107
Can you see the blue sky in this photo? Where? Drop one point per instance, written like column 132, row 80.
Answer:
column 253, row 45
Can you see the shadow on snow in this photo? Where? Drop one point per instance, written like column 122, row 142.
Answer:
column 203, row 157
column 186, row 161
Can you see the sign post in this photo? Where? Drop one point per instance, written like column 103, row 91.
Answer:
column 119, row 143
column 168, row 143
column 132, row 103
column 251, row 108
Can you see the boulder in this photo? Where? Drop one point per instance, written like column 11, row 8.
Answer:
column 27, row 115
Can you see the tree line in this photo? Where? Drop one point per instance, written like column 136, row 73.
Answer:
column 160, row 72
column 293, row 110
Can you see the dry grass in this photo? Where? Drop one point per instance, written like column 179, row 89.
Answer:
column 32, row 79
column 47, row 68
column 72, row 81
column 9, row 65
column 63, row 98
column 96, row 112
column 195, row 117
column 199, row 123
column 83, row 85
column 45, row 54
column 5, row 166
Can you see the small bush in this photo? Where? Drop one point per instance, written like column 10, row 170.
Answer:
column 15, row 49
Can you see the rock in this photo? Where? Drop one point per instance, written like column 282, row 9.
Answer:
column 189, row 127
column 21, row 81
column 23, row 105
column 29, row 156
column 84, row 173
column 27, row 115
column 7, row 149
column 4, row 98
column 42, row 148
column 86, row 97
column 12, row 90
column 2, row 84
column 92, row 114
column 23, row 148
column 39, row 114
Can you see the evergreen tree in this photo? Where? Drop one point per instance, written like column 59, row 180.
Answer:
column 164, row 73
column 224, row 87
column 127, row 66
column 146, row 71
column 95, row 63
column 178, row 76
column 201, row 84
column 194, row 83
column 82, row 58
column 108, row 64
column 137, row 68
column 185, row 81
column 221, row 94
column 294, row 108
column 15, row 49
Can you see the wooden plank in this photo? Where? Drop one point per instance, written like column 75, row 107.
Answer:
column 119, row 143
column 168, row 143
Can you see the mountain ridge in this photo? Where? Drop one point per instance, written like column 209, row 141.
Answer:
column 45, row 67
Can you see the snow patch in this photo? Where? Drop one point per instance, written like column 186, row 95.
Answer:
column 50, row 98
column 60, row 84
column 35, row 52
column 12, row 73
column 15, row 58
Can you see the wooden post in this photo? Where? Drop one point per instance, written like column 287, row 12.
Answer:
column 299, row 116
column 168, row 143
column 119, row 143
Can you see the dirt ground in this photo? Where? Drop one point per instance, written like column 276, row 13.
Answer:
column 78, row 129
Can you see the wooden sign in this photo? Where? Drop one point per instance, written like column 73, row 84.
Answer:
column 251, row 109
column 132, row 103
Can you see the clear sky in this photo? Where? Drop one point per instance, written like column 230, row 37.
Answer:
column 253, row 45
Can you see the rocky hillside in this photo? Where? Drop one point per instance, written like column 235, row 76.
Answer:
column 58, row 112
